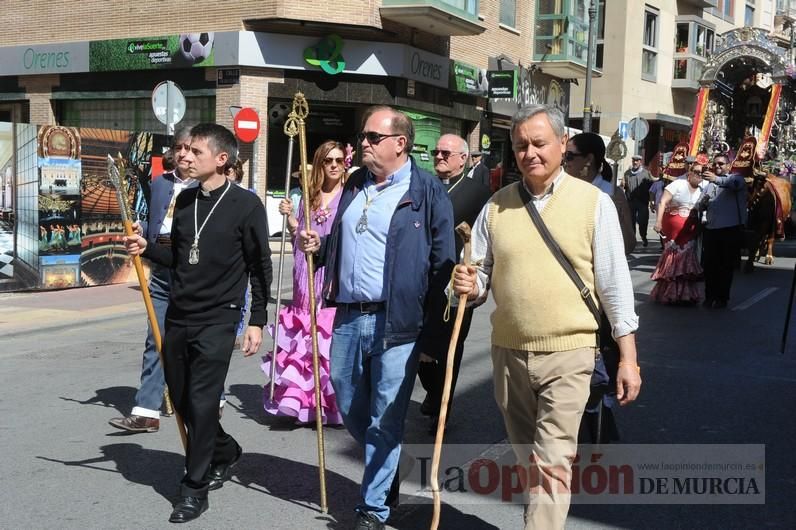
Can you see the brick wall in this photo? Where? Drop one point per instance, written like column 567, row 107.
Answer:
column 67, row 21
column 39, row 89
column 252, row 91
column 516, row 43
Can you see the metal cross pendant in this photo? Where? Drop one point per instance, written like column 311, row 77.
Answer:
column 193, row 255
column 362, row 224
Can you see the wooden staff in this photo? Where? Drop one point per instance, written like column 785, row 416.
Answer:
column 463, row 229
column 301, row 110
column 121, row 197
column 291, row 130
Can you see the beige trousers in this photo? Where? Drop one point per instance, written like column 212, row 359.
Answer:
column 542, row 396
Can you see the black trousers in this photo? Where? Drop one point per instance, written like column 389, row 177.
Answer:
column 640, row 214
column 721, row 251
column 432, row 375
column 196, row 364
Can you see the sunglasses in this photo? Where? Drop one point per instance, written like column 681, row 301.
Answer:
column 328, row 160
column 374, row 138
column 569, row 156
column 444, row 152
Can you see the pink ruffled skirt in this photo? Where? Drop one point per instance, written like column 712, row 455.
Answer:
column 294, row 390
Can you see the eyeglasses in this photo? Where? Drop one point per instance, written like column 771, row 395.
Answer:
column 569, row 156
column 328, row 160
column 374, row 138
column 444, row 152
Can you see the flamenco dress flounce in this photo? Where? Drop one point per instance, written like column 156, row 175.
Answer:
column 678, row 271
column 294, row 393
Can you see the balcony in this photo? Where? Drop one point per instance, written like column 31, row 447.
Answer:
column 561, row 46
column 687, row 72
column 561, row 36
column 440, row 17
column 694, row 41
column 786, row 12
column 701, row 3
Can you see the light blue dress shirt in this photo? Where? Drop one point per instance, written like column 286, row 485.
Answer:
column 362, row 267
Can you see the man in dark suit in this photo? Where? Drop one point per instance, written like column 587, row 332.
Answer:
column 479, row 172
column 468, row 197
column 145, row 416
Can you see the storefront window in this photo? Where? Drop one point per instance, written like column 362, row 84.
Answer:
column 130, row 114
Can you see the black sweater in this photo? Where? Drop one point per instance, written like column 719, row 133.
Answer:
column 233, row 248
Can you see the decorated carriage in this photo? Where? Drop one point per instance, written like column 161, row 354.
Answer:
column 748, row 91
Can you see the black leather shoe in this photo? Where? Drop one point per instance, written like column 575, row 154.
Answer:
column 221, row 473
column 188, row 509
column 368, row 521
column 427, row 407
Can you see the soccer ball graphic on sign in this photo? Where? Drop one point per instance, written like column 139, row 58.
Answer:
column 196, row 47
column 278, row 114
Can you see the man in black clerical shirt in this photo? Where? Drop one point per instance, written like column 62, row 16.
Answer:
column 219, row 243
column 468, row 197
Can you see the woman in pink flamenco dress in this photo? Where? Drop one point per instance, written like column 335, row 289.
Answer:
column 294, row 391
column 678, row 271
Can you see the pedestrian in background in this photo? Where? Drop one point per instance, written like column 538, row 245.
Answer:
column 637, row 183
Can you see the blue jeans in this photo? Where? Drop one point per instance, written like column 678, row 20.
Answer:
column 150, row 394
column 372, row 386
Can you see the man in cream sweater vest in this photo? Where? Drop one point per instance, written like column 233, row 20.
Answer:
column 543, row 334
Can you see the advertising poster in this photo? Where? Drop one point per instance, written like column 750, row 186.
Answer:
column 174, row 51
column 502, row 83
column 60, row 272
column 19, row 207
column 59, row 205
column 469, row 79
column 6, row 204
column 103, row 259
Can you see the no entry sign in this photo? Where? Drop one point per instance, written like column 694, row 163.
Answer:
column 247, row 125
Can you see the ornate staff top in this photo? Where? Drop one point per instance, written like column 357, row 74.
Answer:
column 299, row 112
column 114, row 175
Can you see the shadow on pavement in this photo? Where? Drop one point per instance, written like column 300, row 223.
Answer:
column 117, row 397
column 297, row 483
column 160, row 470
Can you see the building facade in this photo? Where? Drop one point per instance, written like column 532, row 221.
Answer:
column 651, row 55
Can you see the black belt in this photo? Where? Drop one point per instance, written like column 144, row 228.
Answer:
column 363, row 307
column 163, row 240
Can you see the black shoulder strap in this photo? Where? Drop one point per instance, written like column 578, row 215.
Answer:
column 585, row 293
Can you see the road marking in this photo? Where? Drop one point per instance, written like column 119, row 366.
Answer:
column 754, row 299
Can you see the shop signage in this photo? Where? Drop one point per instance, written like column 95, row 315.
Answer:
column 227, row 76
column 175, row 51
column 327, row 55
column 469, row 79
column 427, row 67
column 531, row 86
column 44, row 59
column 502, row 83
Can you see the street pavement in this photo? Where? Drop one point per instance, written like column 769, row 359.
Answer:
column 71, row 361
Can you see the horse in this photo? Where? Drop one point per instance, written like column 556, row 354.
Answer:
column 769, row 205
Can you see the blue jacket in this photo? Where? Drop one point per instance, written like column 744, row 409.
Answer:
column 420, row 254
column 162, row 190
